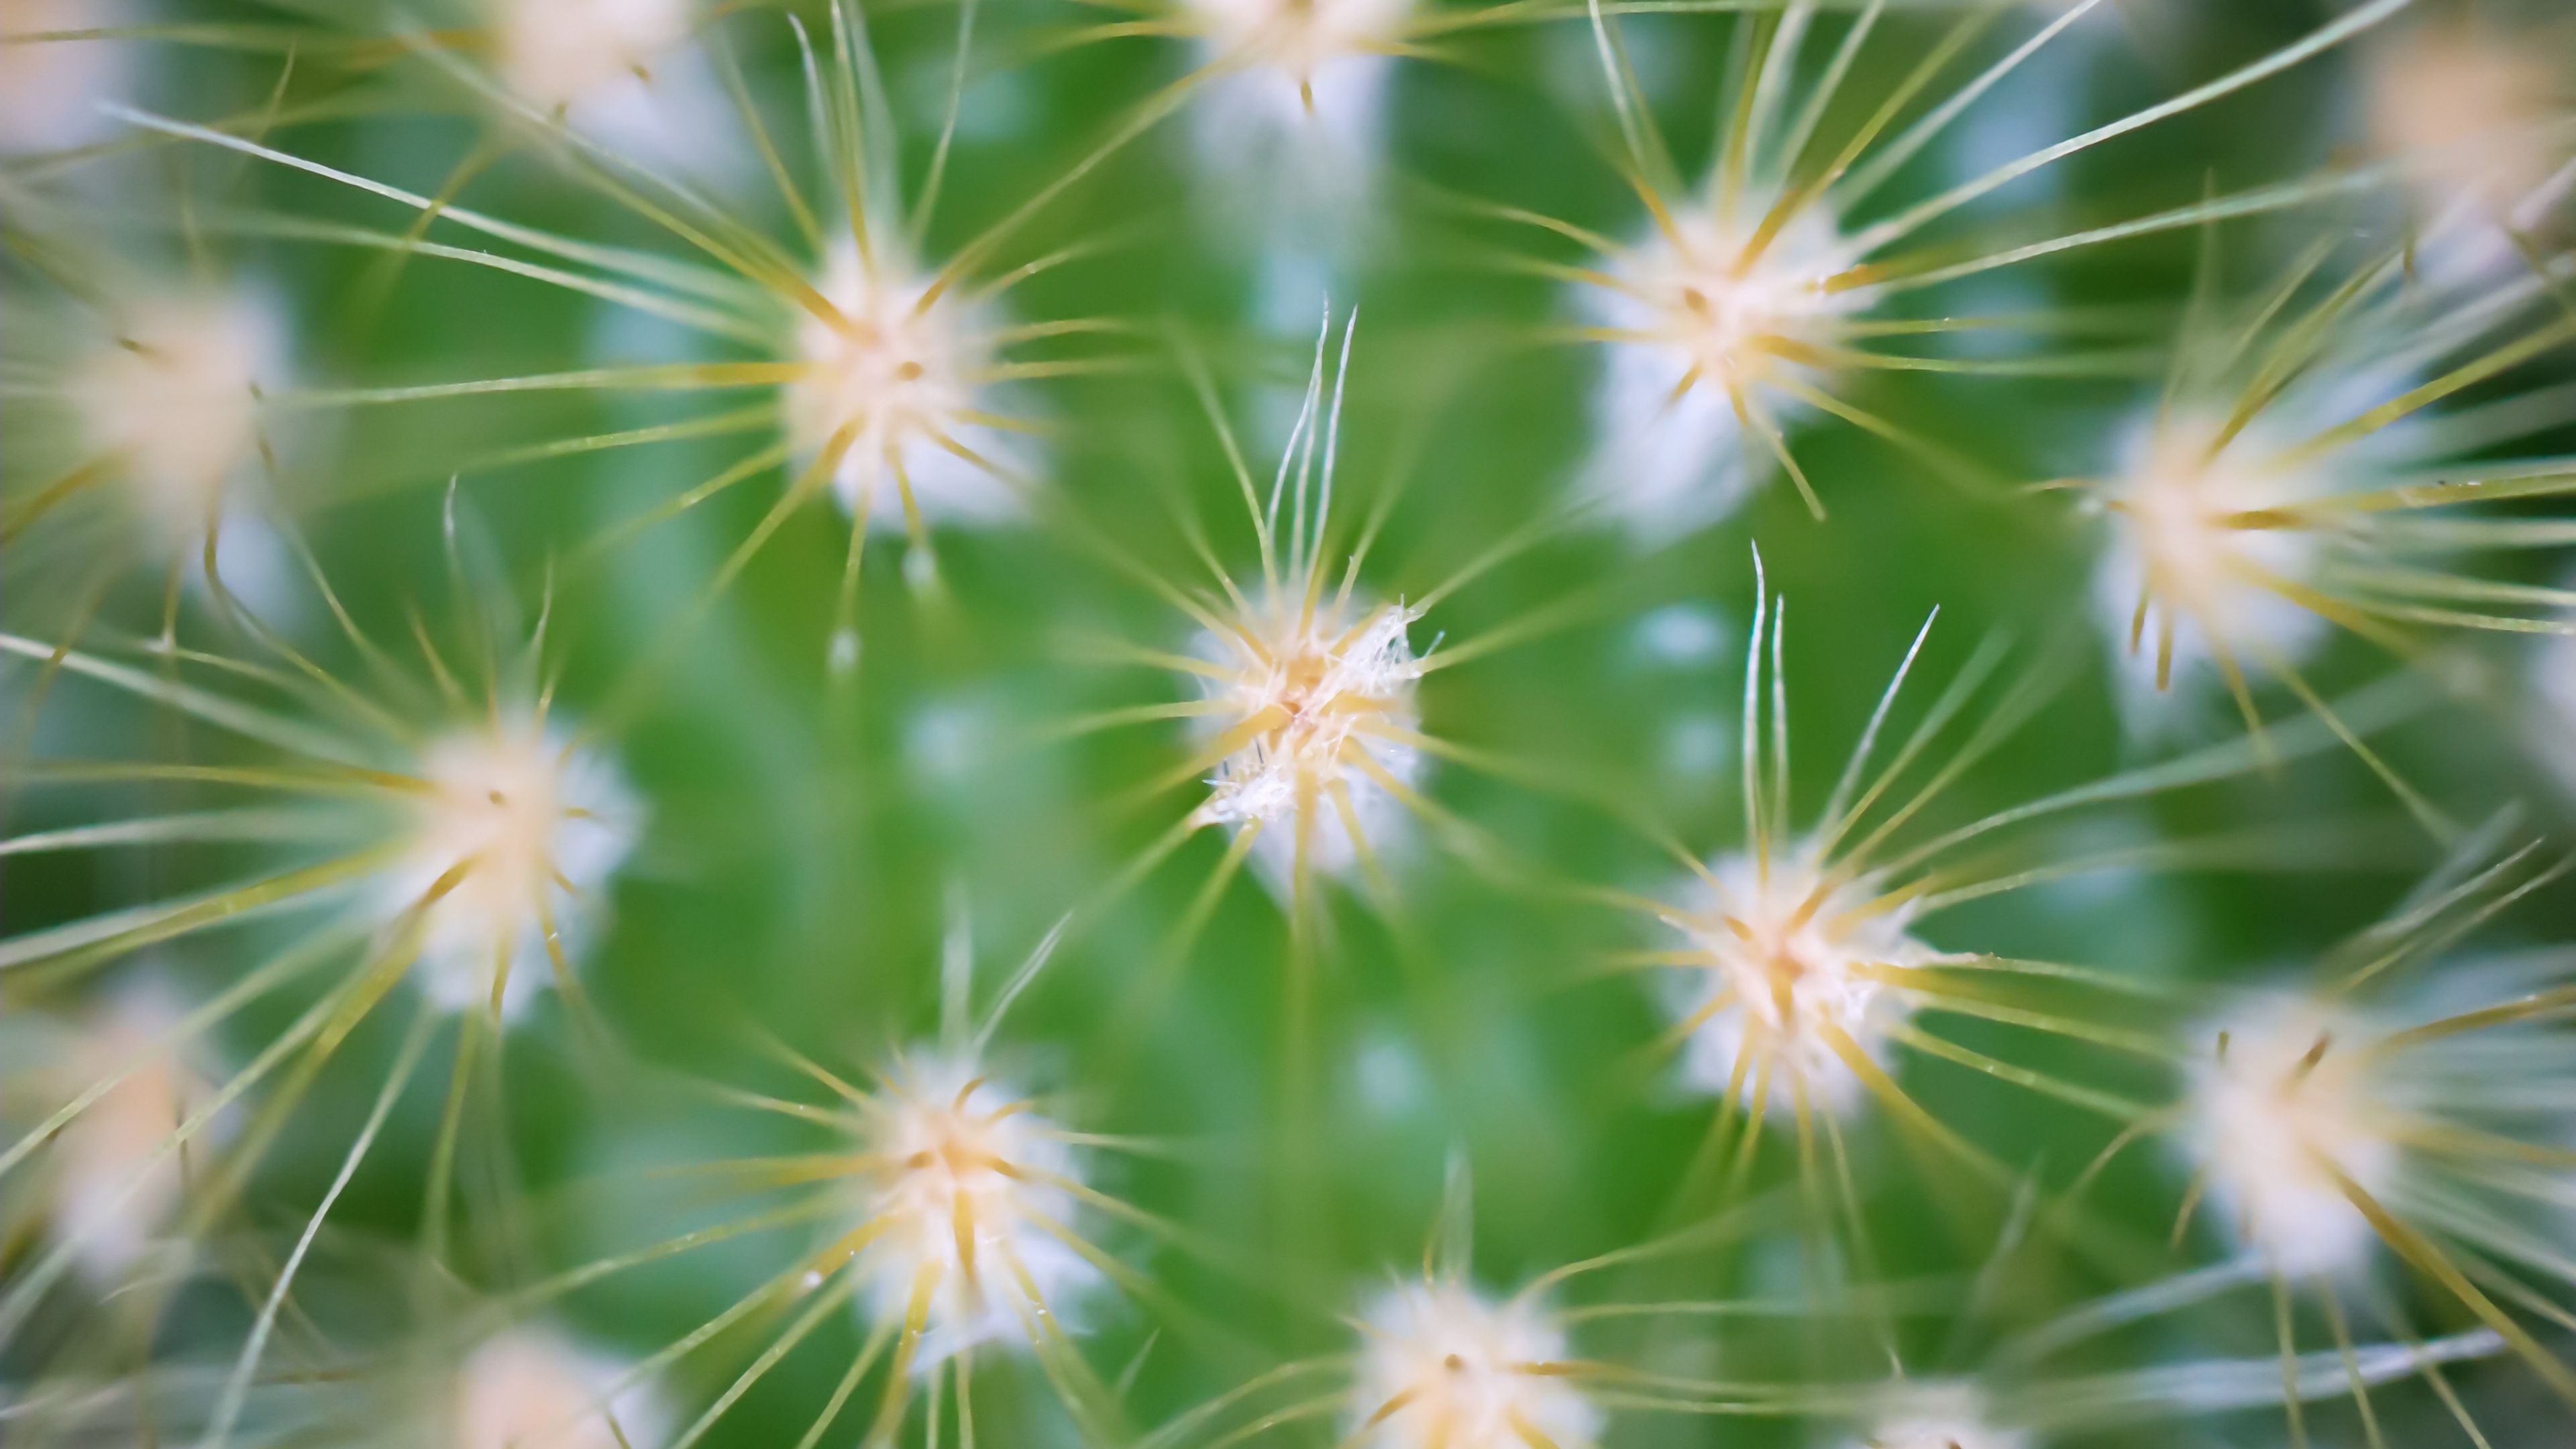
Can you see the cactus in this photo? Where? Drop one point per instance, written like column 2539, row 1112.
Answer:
column 502, row 899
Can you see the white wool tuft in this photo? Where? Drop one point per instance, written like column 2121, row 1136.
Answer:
column 560, row 54
column 1940, row 1416
column 1788, row 948
column 624, row 74
column 532, row 829
column 110, row 1198
column 1319, row 684
column 1443, row 1367
column 964, row 1159
column 2170, row 536
column 1297, row 42
column 2293, row 1101
column 50, row 91
column 173, row 401
column 1293, row 122
column 905, row 382
column 1693, row 308
column 528, row 1387
column 2469, row 108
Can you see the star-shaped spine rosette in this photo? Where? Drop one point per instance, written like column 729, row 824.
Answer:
column 1802, row 966
column 1315, row 706
column 2472, row 107
column 151, row 446
column 520, row 829
column 1798, row 967
column 891, row 379
column 1710, row 320
column 482, row 845
column 2308, row 471
column 2397, row 1110
column 110, row 1191
column 1308, row 736
column 965, row 1211
column 951, row 1214
column 1434, row 1360
column 2279, row 1116
column 957, row 1214
column 1760, row 296
column 172, row 397
column 1439, row 1362
column 897, row 388
column 1442, row 1366
column 1795, row 964
column 430, row 831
